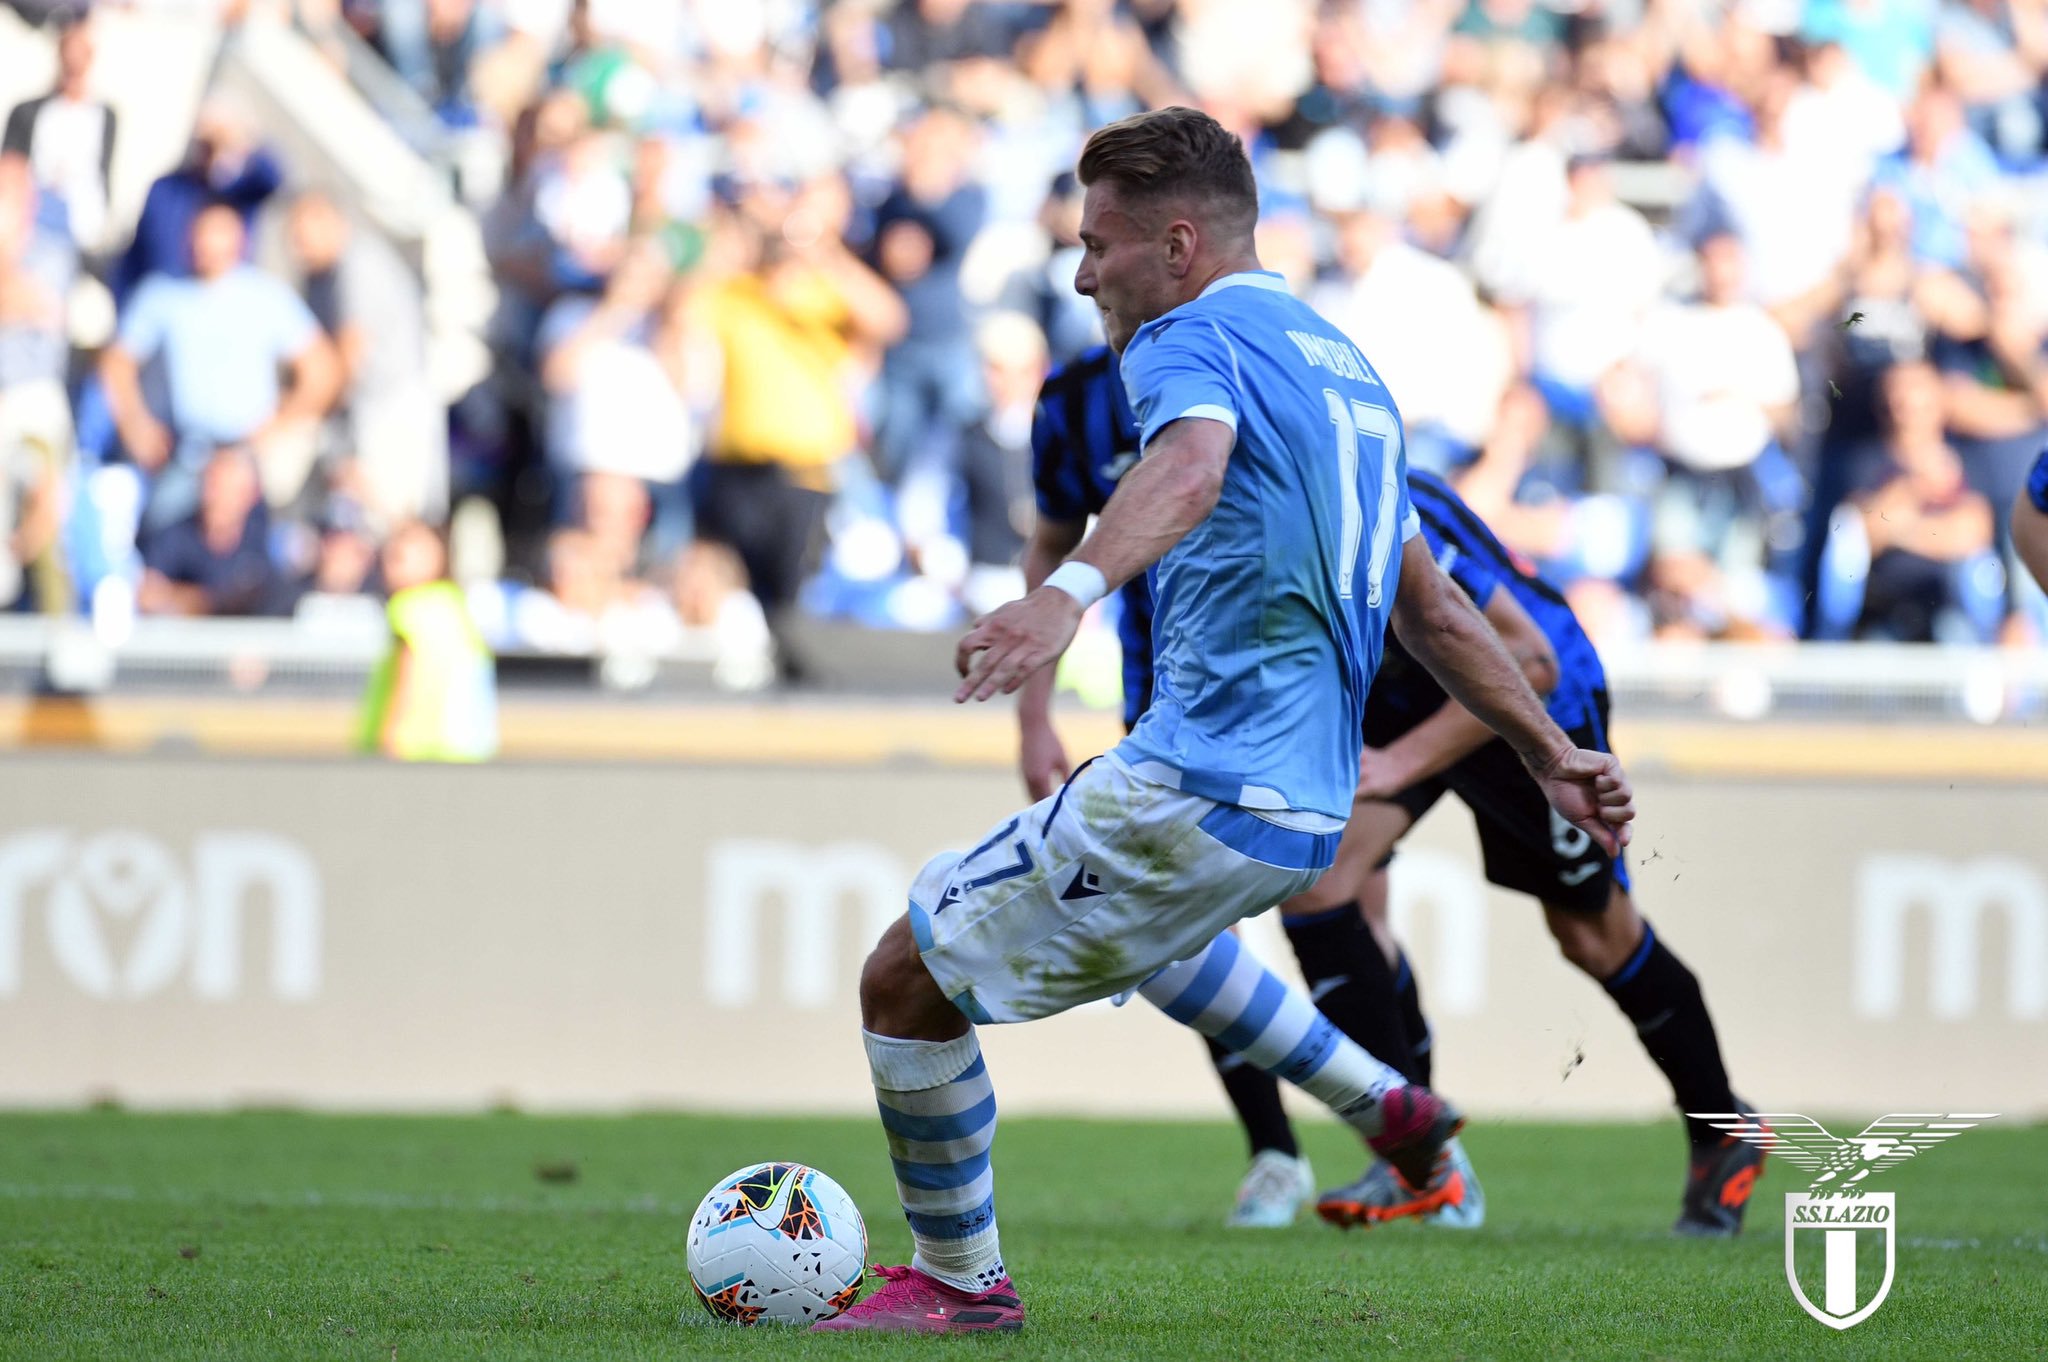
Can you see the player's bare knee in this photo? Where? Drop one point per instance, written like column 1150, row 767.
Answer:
column 898, row 996
column 885, row 977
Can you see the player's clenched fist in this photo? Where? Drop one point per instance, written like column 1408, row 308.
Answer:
column 1009, row 644
column 1592, row 792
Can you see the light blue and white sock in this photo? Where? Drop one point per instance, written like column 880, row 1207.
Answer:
column 940, row 1112
column 1228, row 995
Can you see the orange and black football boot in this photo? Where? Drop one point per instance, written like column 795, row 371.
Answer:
column 1717, row 1186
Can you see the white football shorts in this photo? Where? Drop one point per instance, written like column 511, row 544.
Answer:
column 1088, row 893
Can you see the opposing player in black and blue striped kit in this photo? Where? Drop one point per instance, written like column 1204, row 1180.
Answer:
column 1418, row 746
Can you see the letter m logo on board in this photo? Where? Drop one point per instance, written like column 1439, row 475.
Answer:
column 819, row 900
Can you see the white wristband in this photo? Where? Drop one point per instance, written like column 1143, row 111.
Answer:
column 1079, row 580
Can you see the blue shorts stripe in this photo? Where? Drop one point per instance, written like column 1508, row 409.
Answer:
column 1269, row 843
column 953, row 1226
column 940, row 1177
column 920, row 927
column 1636, row 961
column 955, row 1127
column 921, row 933
column 1208, row 981
column 1258, row 1012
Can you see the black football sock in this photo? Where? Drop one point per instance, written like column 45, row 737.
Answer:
column 1660, row 995
column 1409, row 993
column 1256, row 1095
column 1351, row 982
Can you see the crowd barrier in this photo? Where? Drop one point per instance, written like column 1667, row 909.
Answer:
column 186, row 931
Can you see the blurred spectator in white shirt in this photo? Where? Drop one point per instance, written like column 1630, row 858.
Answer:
column 68, row 137
column 614, row 370
column 708, row 590
column 394, row 428
column 1719, row 370
column 1710, row 389
column 36, row 268
column 1600, row 271
column 1418, row 320
column 1792, row 202
column 583, row 205
column 1843, row 116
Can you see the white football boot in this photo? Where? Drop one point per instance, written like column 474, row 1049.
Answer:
column 1274, row 1190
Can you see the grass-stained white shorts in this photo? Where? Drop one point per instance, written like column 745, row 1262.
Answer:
column 1088, row 893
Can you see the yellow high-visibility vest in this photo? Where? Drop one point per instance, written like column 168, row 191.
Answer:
column 449, row 711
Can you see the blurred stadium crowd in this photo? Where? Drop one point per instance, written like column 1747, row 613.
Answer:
column 1732, row 316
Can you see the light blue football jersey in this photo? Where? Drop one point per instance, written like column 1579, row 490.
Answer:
column 1270, row 614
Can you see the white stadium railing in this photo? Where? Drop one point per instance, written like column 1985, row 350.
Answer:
column 1741, row 682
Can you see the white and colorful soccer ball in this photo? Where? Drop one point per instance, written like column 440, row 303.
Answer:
column 777, row 1241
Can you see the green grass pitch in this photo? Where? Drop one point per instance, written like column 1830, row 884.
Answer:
column 277, row 1235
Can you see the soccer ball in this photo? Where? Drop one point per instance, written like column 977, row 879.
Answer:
column 777, row 1241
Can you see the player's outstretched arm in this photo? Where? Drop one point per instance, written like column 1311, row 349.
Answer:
column 1040, row 753
column 1443, row 629
column 1454, row 732
column 1171, row 491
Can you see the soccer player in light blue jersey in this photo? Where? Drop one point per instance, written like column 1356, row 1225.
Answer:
column 2030, row 521
column 1271, row 509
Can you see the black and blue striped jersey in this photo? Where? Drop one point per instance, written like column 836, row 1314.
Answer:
column 1084, row 437
column 1477, row 561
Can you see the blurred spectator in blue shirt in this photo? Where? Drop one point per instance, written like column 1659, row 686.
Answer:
column 1931, row 575
column 215, row 344
column 223, row 165
column 920, row 34
column 215, row 561
column 931, row 385
column 1943, row 168
column 433, row 43
column 1890, row 39
column 1993, row 357
column 1993, row 55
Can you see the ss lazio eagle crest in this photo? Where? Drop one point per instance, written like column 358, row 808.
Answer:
column 1836, row 1203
